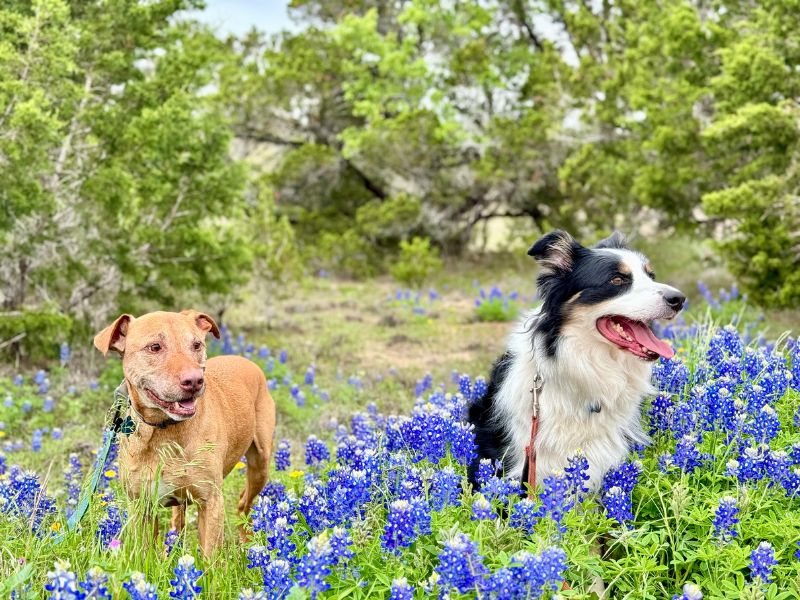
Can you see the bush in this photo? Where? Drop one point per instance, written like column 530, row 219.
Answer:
column 496, row 306
column 417, row 261
column 42, row 331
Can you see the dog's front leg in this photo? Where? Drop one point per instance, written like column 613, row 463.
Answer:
column 211, row 515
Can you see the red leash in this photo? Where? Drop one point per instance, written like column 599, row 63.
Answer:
column 530, row 451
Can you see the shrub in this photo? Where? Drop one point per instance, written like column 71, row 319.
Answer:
column 417, row 261
column 41, row 331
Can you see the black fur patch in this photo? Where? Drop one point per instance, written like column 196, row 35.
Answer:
column 587, row 282
column 490, row 436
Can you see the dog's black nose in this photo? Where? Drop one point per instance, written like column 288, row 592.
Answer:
column 675, row 300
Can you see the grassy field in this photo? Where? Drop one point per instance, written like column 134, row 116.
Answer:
column 366, row 342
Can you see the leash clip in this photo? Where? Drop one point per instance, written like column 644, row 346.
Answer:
column 537, row 387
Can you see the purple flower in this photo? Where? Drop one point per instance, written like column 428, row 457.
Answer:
column 399, row 531
column 524, row 515
column 315, row 566
column 110, row 526
column 555, row 500
column 184, row 586
column 486, row 469
column 482, row 509
column 283, row 458
column 618, row 505
column 316, row 451
column 401, row 590
column 95, row 585
column 762, row 560
column 172, row 541
column 445, row 488
column 460, row 565
column 63, row 583
column 725, row 519
column 139, row 589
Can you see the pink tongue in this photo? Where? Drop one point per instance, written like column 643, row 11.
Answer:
column 643, row 334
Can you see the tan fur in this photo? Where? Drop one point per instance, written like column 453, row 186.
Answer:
column 187, row 461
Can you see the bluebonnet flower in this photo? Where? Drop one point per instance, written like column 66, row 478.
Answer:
column 762, row 560
column 618, row 504
column 487, row 468
column 423, row 385
column 249, row 594
column 22, row 496
column 445, row 488
column 314, row 507
column 765, row 426
column 482, row 509
column 95, row 585
column 690, row 592
column 18, row 380
column 283, row 455
column 341, row 545
column 316, row 451
column 48, row 404
column 401, row 590
column 725, row 519
column 399, row 531
column 791, row 483
column 465, row 386
column 460, row 565
column 687, row 456
column 264, row 352
column 524, row 515
column 63, row 583
column 797, row 552
column 660, row 413
column 184, row 586
column 64, row 353
column 277, row 579
column 421, row 513
column 57, row 433
column 139, row 589
column 479, row 388
column 555, row 500
column 283, row 356
column 172, row 541
column 534, row 575
column 279, row 538
column 73, row 476
column 310, row 375
column 577, row 474
column 463, row 443
column 501, row 488
column 315, row 566
column 36, row 440
column 625, row 476
column 110, row 526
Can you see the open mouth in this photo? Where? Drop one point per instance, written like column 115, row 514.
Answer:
column 180, row 408
column 634, row 336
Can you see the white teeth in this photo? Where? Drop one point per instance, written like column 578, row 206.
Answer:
column 621, row 331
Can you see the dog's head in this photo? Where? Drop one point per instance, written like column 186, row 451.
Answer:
column 608, row 291
column 163, row 357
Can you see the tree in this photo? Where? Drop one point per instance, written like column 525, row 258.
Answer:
column 116, row 186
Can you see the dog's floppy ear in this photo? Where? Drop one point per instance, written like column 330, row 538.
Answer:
column 555, row 251
column 113, row 336
column 204, row 322
column 615, row 240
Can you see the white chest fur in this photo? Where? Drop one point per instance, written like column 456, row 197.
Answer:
column 585, row 373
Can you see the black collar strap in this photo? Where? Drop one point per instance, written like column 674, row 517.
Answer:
column 122, row 393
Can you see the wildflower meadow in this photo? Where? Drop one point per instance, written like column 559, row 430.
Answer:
column 375, row 504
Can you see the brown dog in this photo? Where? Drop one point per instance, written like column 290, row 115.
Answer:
column 194, row 419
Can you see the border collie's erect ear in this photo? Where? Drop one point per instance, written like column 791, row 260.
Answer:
column 555, row 251
column 615, row 240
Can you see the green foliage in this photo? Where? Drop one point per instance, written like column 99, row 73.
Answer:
column 416, row 263
column 117, row 188
column 40, row 332
column 497, row 310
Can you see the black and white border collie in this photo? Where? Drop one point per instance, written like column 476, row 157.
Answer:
column 591, row 345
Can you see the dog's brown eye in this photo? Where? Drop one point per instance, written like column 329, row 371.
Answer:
column 154, row 347
column 197, row 345
column 617, row 281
